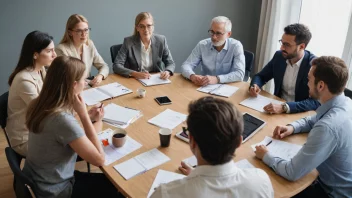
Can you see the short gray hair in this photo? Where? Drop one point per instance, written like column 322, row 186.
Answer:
column 223, row 19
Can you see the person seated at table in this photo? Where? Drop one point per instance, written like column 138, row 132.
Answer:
column 220, row 57
column 329, row 144
column 25, row 83
column 289, row 67
column 215, row 132
column 56, row 137
column 144, row 52
column 76, row 43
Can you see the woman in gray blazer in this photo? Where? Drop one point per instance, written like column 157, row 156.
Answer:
column 144, row 52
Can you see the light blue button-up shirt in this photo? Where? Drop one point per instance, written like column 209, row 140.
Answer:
column 328, row 148
column 228, row 64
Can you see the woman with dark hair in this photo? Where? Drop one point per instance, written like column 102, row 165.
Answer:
column 56, row 137
column 25, row 82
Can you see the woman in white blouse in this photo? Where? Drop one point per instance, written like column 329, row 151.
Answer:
column 76, row 43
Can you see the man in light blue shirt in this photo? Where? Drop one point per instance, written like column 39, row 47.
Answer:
column 329, row 143
column 221, row 58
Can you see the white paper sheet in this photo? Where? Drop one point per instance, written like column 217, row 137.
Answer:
column 219, row 89
column 279, row 148
column 154, row 80
column 192, row 161
column 112, row 153
column 244, row 164
column 168, row 119
column 163, row 177
column 258, row 103
column 141, row 163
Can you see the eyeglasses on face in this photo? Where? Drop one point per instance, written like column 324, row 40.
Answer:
column 286, row 45
column 84, row 31
column 217, row 34
column 143, row 27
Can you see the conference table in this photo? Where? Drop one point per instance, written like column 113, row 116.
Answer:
column 181, row 92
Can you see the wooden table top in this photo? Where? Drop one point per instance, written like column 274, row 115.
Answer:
column 181, row 92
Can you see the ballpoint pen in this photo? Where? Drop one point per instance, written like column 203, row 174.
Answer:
column 269, row 143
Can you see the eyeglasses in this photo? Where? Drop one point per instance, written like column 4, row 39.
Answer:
column 217, row 34
column 286, row 45
column 84, row 31
column 143, row 27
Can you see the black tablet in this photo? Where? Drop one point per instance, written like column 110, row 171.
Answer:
column 252, row 125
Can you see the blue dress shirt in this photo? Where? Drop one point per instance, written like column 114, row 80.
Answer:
column 328, row 148
column 228, row 64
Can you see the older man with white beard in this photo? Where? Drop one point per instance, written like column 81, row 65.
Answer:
column 221, row 58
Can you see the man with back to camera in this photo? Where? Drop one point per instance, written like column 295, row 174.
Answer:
column 329, row 143
column 220, row 57
column 215, row 131
column 289, row 67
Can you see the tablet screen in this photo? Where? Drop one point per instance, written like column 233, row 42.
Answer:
column 251, row 124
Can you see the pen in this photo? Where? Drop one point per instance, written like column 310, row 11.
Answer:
column 131, row 108
column 101, row 105
column 269, row 143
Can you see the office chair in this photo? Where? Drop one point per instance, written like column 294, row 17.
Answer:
column 23, row 186
column 348, row 93
column 114, row 50
column 249, row 56
column 3, row 114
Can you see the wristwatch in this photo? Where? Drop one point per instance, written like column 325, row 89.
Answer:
column 284, row 107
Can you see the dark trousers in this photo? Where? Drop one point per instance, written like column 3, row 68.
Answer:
column 314, row 190
column 93, row 185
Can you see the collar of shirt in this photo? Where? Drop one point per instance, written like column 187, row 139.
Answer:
column 218, row 170
column 298, row 64
column 143, row 46
column 225, row 47
column 329, row 104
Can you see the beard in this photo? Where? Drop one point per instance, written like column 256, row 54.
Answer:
column 289, row 56
column 314, row 93
column 219, row 43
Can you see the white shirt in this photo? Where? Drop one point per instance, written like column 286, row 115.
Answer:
column 147, row 61
column 224, row 181
column 289, row 81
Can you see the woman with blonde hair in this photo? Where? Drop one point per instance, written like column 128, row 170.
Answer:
column 56, row 137
column 76, row 43
column 144, row 52
column 26, row 82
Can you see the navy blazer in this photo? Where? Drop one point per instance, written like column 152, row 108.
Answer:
column 276, row 69
column 128, row 58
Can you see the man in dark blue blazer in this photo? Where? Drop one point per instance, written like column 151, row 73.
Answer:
column 289, row 67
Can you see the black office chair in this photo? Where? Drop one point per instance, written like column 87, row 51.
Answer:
column 3, row 114
column 23, row 186
column 114, row 50
column 348, row 93
column 249, row 64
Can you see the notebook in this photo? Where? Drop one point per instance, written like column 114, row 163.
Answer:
column 219, row 90
column 141, row 163
column 95, row 95
column 163, row 177
column 119, row 115
column 168, row 119
column 154, row 80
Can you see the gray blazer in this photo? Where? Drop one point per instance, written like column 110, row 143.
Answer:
column 129, row 57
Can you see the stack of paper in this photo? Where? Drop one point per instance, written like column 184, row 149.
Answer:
column 154, row 80
column 168, row 119
column 219, row 89
column 120, row 116
column 164, row 177
column 279, row 148
column 141, row 163
column 95, row 95
column 258, row 103
column 111, row 152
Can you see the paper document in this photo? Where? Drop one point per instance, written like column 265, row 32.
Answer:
column 244, row 164
column 163, row 177
column 279, row 148
column 154, row 80
column 168, row 119
column 192, row 161
column 95, row 95
column 141, row 163
column 115, row 114
column 258, row 103
column 219, row 89
column 112, row 153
